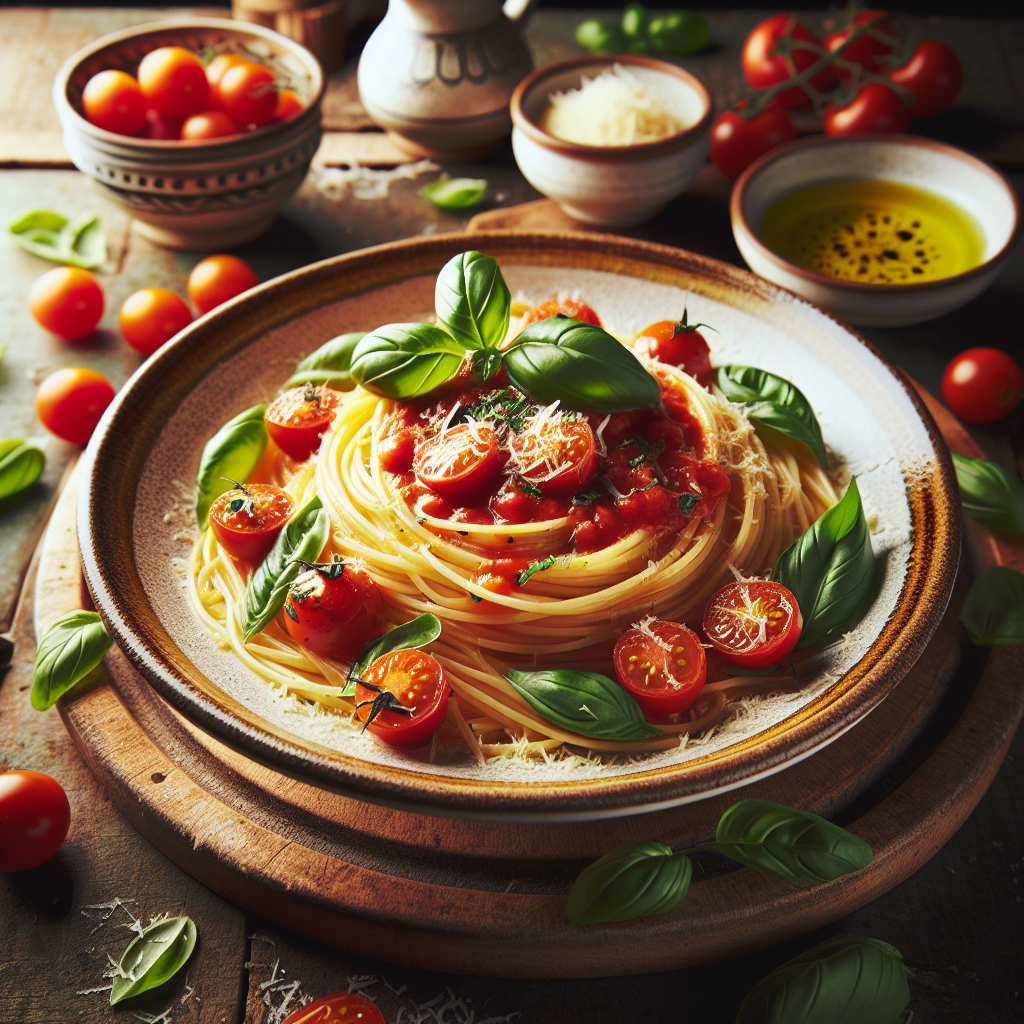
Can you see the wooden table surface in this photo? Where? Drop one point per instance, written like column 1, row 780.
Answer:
column 958, row 921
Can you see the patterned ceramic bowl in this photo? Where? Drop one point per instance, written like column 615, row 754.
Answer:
column 198, row 195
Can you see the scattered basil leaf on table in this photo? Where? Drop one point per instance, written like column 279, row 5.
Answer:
column 788, row 842
column 78, row 243
column 153, row 958
column 587, row 703
column 418, row 632
column 637, row 880
column 455, row 193
column 993, row 613
column 330, row 365
column 848, row 979
column 71, row 648
column 829, row 570
column 579, row 365
column 991, row 495
column 775, row 402
column 406, row 360
column 302, row 539
column 601, row 37
column 472, row 300
column 21, row 465
column 231, row 454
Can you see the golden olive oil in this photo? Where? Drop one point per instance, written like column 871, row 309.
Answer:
column 875, row 231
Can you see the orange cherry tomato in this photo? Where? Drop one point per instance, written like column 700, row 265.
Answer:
column 418, row 690
column 459, row 464
column 217, row 279
column 113, row 101
column 246, row 520
column 158, row 127
column 288, row 105
column 754, row 624
column 67, row 301
column 173, row 81
column 70, row 402
column 677, row 344
column 151, row 317
column 557, row 457
column 208, row 124
column 298, row 419
column 661, row 666
column 340, row 1008
column 216, row 68
column 248, row 93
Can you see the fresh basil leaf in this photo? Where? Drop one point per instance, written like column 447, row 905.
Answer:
column 78, row 243
column 21, row 465
column 579, row 365
column 993, row 613
column 829, row 570
column 848, row 979
column 524, row 575
column 330, row 365
column 418, row 632
column 637, row 880
column 72, row 647
column 153, row 958
column 990, row 494
column 587, row 703
column 687, row 503
column 486, row 363
column 774, row 402
column 231, row 454
column 302, row 539
column 406, row 360
column 455, row 193
column 472, row 300
column 788, row 842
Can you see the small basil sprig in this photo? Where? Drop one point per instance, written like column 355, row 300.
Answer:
column 330, row 365
column 774, row 402
column 472, row 300
column 231, row 454
column 21, row 465
column 406, row 360
column 829, row 570
column 587, row 703
column 153, row 958
column 72, row 647
column 455, row 193
column 848, row 979
column 637, row 880
column 993, row 613
column 990, row 494
column 301, row 540
column 418, row 632
column 78, row 243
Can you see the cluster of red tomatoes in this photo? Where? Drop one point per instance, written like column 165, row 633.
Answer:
column 69, row 302
column 849, row 77
column 176, row 97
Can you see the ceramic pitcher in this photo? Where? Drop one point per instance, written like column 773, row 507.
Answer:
column 438, row 74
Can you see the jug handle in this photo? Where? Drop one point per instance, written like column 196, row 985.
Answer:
column 518, row 11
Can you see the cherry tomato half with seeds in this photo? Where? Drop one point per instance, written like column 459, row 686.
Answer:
column 340, row 1008
column 248, row 94
column 754, row 624
column 112, row 100
column 151, row 317
column 67, row 301
column 876, row 108
column 934, row 75
column 661, row 666
column 70, row 402
column 218, row 278
column 737, row 141
column 677, row 343
column 34, row 819
column 298, row 419
column 416, row 683
column 246, row 520
column 558, row 457
column 173, row 81
column 982, row 385
column 459, row 464
column 764, row 65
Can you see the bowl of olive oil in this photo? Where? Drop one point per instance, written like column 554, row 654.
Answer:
column 881, row 230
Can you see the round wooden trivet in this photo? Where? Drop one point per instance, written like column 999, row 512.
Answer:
column 489, row 899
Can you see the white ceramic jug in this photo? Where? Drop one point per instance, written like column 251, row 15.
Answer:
column 439, row 74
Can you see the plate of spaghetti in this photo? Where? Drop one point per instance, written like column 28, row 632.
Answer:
column 520, row 526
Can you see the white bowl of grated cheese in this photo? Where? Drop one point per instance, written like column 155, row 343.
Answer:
column 611, row 139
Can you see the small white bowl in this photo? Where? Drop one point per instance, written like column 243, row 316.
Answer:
column 611, row 185
column 962, row 179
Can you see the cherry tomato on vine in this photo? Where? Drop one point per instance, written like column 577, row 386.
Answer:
column 876, row 108
column 933, row 75
column 288, row 105
column 754, row 624
column 248, row 93
column 340, row 1008
column 866, row 50
column 764, row 64
column 208, row 124
column 112, row 100
column 982, row 385
column 677, row 344
column 151, row 317
column 173, row 81
column 34, row 819
column 298, row 419
column 70, row 402
column 246, row 520
column 662, row 666
column 559, row 458
column 736, row 141
column 67, row 301
column 411, row 692
column 460, row 463
column 217, row 279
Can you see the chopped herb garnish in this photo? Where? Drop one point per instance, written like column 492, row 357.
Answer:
column 687, row 502
column 505, row 405
column 647, row 453
column 476, row 598
column 534, row 567
column 533, row 492
column 586, row 497
column 332, row 570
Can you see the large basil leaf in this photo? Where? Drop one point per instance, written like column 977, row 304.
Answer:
column 330, row 365
column 472, row 300
column 848, row 979
column 993, row 613
column 231, row 454
column 302, row 539
column 785, row 841
column 990, row 494
column 637, row 880
column 153, row 957
column 406, row 360
column 418, row 632
column 21, row 465
column 72, row 647
column 78, row 243
column 774, row 402
column 583, row 702
column 581, row 366
column 829, row 570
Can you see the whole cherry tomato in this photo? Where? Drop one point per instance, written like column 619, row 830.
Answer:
column 34, row 819
column 217, row 279
column 216, row 68
column 754, row 624
column 158, row 127
column 112, row 100
column 677, row 343
column 173, row 81
column 247, row 519
column 403, row 697
column 298, row 419
column 764, row 64
column 70, row 402
column 208, row 124
column 288, row 105
column 558, row 457
column 340, row 1008
column 876, row 108
column 933, row 75
column 661, row 666
column 736, row 141
column 67, row 301
column 459, row 464
column 151, row 317
column 982, row 385
column 248, row 93
column 866, row 50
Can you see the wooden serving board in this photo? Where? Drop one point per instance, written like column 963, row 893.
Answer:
column 489, row 899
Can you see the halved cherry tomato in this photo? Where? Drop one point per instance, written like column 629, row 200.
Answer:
column 736, row 141
column 208, row 124
column 982, row 385
column 67, row 301
column 876, row 108
column 459, row 464
column 661, row 666
column 71, row 401
column 151, row 317
column 113, row 101
column 558, row 457
column 246, row 520
column 764, row 64
column 867, row 49
column 217, row 279
column 754, row 624
column 567, row 307
column 288, row 105
column 417, row 683
column 333, row 610
column 340, row 1008
column 248, row 93
column 34, row 819
column 933, row 75
column 173, row 81
column 677, row 344
column 298, row 419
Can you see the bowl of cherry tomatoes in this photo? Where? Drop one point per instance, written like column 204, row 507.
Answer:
column 202, row 128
